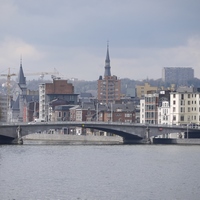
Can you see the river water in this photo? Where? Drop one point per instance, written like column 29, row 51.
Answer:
column 110, row 172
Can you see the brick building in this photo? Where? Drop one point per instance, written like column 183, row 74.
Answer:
column 61, row 91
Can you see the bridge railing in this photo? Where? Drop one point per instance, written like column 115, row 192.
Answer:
column 101, row 123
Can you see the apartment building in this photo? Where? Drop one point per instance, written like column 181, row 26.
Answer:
column 185, row 107
column 177, row 75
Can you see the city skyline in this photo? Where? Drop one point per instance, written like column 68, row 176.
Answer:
column 144, row 37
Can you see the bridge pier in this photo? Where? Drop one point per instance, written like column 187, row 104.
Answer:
column 19, row 139
column 148, row 135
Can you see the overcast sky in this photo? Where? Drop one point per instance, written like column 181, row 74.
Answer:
column 71, row 36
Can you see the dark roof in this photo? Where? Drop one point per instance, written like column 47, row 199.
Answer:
column 85, row 95
column 88, row 105
column 63, row 107
column 124, row 107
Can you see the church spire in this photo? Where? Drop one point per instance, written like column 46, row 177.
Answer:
column 107, row 62
column 21, row 78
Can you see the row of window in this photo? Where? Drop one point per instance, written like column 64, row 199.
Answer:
column 188, row 102
column 189, row 109
column 186, row 96
column 186, row 118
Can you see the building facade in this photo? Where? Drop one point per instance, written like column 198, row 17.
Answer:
column 177, row 75
column 164, row 113
column 141, row 90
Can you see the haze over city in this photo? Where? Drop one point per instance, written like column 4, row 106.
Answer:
column 71, row 36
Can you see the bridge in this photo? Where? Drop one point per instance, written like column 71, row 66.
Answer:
column 128, row 131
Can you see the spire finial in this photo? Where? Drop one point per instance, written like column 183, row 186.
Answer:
column 21, row 60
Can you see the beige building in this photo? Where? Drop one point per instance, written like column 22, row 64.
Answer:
column 141, row 90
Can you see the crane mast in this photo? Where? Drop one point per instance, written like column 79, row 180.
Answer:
column 8, row 84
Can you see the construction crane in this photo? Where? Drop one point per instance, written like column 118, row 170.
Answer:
column 8, row 75
column 42, row 74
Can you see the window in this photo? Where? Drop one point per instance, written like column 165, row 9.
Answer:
column 182, row 118
column 182, row 109
column 174, row 102
column 163, row 118
column 128, row 115
column 174, row 109
column 182, row 96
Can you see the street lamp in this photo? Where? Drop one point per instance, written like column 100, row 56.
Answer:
column 188, row 123
column 111, row 109
column 97, row 115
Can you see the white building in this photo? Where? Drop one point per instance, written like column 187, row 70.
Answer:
column 185, row 107
column 164, row 113
column 42, row 104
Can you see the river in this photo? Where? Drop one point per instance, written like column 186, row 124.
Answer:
column 95, row 172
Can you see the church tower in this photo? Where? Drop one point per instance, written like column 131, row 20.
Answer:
column 18, row 104
column 109, row 87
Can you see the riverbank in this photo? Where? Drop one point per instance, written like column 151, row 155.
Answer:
column 70, row 139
